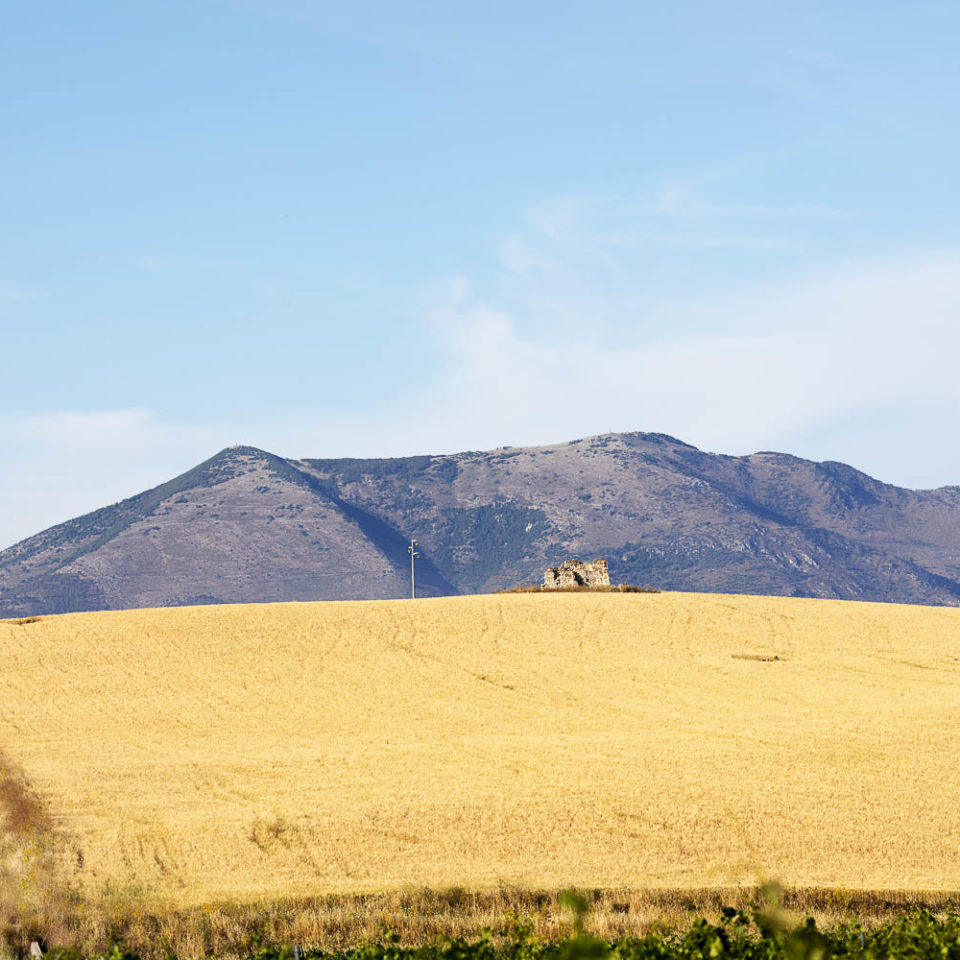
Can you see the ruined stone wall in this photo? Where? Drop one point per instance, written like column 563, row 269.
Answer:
column 573, row 573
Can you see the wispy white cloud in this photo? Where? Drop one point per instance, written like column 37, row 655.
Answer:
column 780, row 362
column 678, row 213
column 623, row 262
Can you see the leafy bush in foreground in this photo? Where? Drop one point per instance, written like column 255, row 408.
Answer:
column 739, row 937
column 760, row 935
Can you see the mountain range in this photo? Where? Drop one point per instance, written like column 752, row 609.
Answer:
column 247, row 525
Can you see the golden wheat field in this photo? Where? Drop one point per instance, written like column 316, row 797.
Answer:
column 636, row 740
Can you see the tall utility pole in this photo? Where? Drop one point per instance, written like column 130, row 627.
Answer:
column 412, row 550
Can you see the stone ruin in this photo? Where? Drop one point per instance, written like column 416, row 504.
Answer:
column 573, row 573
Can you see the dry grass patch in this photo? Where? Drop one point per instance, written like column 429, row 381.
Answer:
column 32, row 897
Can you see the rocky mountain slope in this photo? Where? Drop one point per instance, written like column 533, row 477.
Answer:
column 247, row 525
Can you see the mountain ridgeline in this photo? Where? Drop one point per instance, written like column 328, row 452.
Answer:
column 247, row 525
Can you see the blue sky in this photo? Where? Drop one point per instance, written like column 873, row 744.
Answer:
column 385, row 229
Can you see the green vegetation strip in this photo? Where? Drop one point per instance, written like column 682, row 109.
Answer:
column 754, row 935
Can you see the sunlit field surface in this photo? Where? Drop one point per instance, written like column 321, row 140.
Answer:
column 635, row 740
